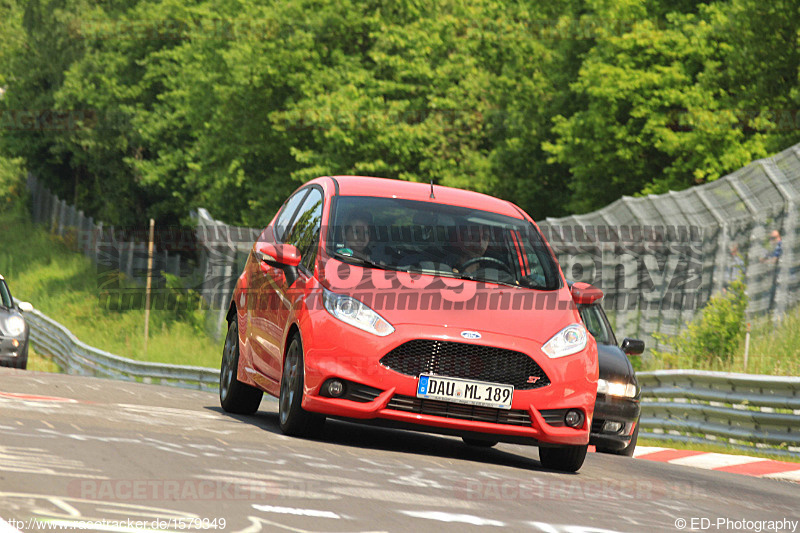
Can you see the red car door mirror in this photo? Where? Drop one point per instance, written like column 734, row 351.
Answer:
column 584, row 293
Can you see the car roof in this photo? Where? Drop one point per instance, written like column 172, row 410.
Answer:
column 409, row 190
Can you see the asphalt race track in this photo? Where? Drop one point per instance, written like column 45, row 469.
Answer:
column 121, row 456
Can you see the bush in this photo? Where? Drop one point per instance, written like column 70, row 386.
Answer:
column 714, row 336
column 13, row 191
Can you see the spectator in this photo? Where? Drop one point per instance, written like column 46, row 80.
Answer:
column 735, row 268
column 774, row 256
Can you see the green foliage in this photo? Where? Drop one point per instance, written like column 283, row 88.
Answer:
column 713, row 337
column 231, row 104
column 13, row 192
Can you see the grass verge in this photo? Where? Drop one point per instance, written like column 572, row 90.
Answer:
column 40, row 268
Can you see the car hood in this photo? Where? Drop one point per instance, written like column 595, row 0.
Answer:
column 614, row 364
column 464, row 305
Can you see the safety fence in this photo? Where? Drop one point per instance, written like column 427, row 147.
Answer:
column 737, row 410
column 55, row 341
column 658, row 258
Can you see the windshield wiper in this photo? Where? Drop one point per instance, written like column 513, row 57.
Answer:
column 464, row 275
column 360, row 261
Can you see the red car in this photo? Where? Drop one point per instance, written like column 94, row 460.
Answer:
column 414, row 306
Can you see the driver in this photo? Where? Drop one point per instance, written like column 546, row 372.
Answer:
column 474, row 243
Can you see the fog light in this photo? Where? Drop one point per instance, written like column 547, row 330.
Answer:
column 15, row 343
column 335, row 388
column 611, row 426
column 574, row 418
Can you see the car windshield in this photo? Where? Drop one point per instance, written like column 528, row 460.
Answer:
column 592, row 316
column 439, row 239
column 5, row 295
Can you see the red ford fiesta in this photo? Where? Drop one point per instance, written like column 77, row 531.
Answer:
column 414, row 306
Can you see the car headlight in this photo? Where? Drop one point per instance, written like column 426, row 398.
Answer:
column 570, row 340
column 15, row 325
column 624, row 390
column 355, row 313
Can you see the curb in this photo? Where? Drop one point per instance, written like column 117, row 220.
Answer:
column 721, row 462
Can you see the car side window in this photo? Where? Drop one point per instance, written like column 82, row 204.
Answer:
column 284, row 220
column 304, row 233
column 594, row 322
column 5, row 295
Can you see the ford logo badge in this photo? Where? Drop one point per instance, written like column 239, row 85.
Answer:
column 471, row 335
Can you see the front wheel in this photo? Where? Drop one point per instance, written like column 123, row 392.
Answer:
column 235, row 396
column 563, row 458
column 293, row 419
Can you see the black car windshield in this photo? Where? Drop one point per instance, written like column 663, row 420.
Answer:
column 439, row 239
column 593, row 317
column 5, row 295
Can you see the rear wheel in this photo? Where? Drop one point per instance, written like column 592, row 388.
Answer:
column 235, row 396
column 563, row 458
column 470, row 441
column 294, row 420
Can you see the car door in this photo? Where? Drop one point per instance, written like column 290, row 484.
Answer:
column 264, row 280
column 304, row 234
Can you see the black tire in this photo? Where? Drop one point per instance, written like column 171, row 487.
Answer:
column 293, row 419
column 478, row 443
column 563, row 458
column 235, row 396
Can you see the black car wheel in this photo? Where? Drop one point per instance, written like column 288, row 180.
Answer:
column 294, row 420
column 235, row 396
column 563, row 458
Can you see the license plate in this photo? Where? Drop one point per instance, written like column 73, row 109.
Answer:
column 497, row 395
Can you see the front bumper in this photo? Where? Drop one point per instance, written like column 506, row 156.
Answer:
column 607, row 408
column 336, row 351
column 11, row 354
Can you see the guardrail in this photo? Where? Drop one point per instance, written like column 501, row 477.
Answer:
column 738, row 410
column 74, row 357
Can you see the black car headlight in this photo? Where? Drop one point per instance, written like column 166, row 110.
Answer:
column 15, row 325
column 613, row 388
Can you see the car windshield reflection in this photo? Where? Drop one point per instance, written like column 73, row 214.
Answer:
column 442, row 240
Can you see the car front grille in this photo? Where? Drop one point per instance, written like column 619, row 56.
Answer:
column 410, row 404
column 466, row 361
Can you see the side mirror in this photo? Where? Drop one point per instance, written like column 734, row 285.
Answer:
column 25, row 307
column 283, row 256
column 279, row 254
column 584, row 293
column 632, row 346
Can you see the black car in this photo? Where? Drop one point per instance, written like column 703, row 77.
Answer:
column 14, row 330
column 615, row 426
